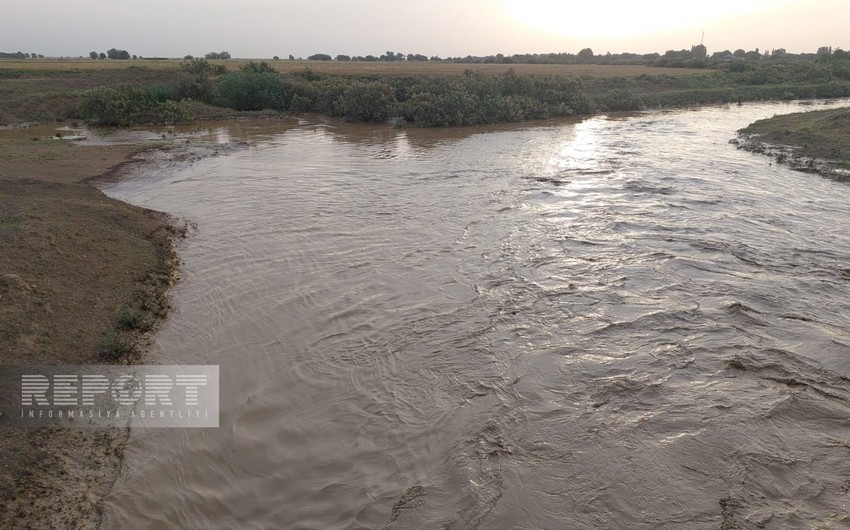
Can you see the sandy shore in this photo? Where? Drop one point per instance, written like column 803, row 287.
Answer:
column 73, row 261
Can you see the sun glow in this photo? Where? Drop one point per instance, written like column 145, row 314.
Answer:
column 613, row 19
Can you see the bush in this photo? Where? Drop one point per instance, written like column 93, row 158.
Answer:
column 134, row 320
column 114, row 106
column 367, row 101
column 251, row 91
column 620, row 99
column 258, row 68
column 115, row 346
column 128, row 104
column 167, row 112
column 300, row 104
column 202, row 67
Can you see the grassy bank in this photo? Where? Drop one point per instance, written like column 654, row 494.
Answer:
column 817, row 141
column 83, row 278
column 419, row 94
column 821, row 134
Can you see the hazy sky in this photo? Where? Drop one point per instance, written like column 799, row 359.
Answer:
column 263, row 28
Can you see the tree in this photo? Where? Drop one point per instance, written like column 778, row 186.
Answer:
column 188, row 57
column 585, row 55
column 699, row 51
column 102, row 55
column 276, row 58
column 319, row 57
column 93, row 55
column 114, row 53
column 218, row 55
column 291, row 57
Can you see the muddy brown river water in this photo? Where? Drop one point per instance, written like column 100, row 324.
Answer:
column 623, row 322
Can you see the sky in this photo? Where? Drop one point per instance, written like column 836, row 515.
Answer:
column 447, row 28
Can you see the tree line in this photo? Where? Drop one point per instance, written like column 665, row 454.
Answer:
column 20, row 55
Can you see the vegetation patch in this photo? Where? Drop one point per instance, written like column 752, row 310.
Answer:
column 808, row 141
column 424, row 92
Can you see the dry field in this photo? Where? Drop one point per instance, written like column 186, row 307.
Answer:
column 355, row 68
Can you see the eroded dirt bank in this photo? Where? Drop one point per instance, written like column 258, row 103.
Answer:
column 84, row 279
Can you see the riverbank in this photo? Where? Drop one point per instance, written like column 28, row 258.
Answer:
column 449, row 94
column 816, row 141
column 85, row 280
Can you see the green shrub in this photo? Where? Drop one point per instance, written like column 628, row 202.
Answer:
column 115, row 106
column 115, row 346
column 620, row 99
column 247, row 90
column 258, row 68
column 365, row 101
column 132, row 319
column 300, row 104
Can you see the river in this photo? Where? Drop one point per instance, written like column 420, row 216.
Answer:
column 622, row 322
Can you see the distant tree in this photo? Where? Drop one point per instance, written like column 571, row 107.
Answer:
column 779, row 53
column 824, row 50
column 436, row 59
column 218, row 55
column 93, row 55
column 389, row 56
column 680, row 55
column 416, row 57
column 699, row 51
column 753, row 55
column 319, row 57
column 739, row 53
column 275, row 58
column 343, row 58
column 291, row 57
column 370, row 58
column 114, row 53
column 102, row 55
column 188, row 57
column 585, row 55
